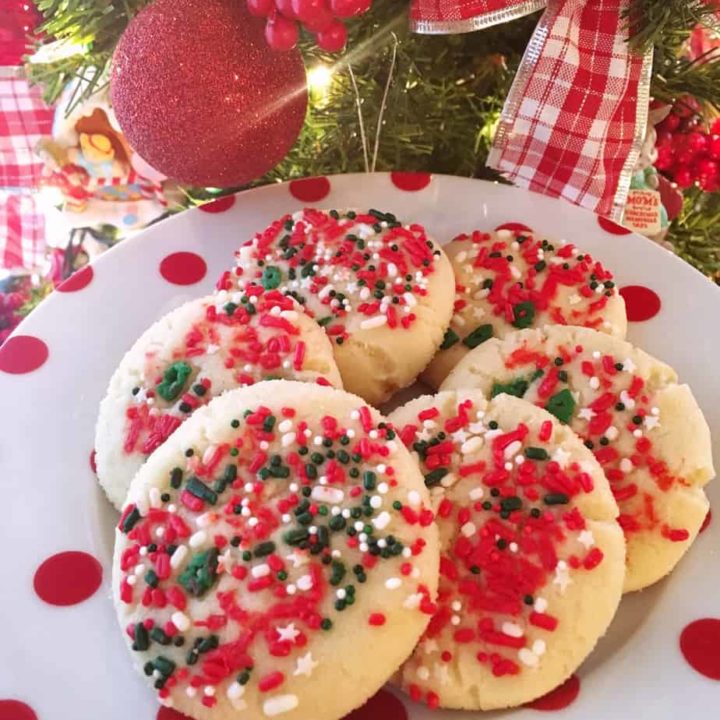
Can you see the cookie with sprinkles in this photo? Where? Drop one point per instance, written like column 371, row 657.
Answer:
column 644, row 428
column 383, row 291
column 277, row 556
column 194, row 353
column 514, row 279
column 532, row 560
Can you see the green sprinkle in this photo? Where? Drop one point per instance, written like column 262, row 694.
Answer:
column 269, row 423
column 517, row 388
column 199, row 489
column 271, row 277
column 160, row 636
column 451, row 337
column 510, row 504
column 201, row 572
column 523, row 314
column 129, row 522
column 561, row 405
column 536, row 453
column 142, row 639
column 164, row 666
column 264, row 548
column 296, row 536
column 369, row 480
column 235, row 424
column 435, row 476
column 311, row 471
column 326, row 624
column 556, row 499
column 478, row 336
column 176, row 476
column 174, row 380
column 151, row 578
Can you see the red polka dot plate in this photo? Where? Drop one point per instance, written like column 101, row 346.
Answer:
column 62, row 655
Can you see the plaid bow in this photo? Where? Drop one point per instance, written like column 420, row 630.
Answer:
column 574, row 121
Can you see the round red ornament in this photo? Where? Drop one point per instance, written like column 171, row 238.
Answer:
column 201, row 96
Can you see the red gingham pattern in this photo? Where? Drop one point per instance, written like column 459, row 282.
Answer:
column 22, row 231
column 24, row 119
column 574, row 120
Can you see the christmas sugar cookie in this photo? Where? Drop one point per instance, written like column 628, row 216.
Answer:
column 277, row 556
column 532, row 560
column 194, row 353
column 645, row 429
column 382, row 291
column 513, row 279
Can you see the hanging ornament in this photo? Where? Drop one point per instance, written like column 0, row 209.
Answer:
column 322, row 19
column 200, row 95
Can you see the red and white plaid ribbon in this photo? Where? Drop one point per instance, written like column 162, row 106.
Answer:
column 22, row 231
column 575, row 118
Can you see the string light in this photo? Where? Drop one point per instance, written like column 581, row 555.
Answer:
column 55, row 51
column 319, row 79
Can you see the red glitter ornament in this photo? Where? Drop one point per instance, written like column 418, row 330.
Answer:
column 201, row 96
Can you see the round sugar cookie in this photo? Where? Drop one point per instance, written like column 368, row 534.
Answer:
column 645, row 429
column 277, row 556
column 513, row 279
column 382, row 290
column 532, row 559
column 194, row 353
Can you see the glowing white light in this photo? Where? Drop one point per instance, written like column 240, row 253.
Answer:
column 319, row 79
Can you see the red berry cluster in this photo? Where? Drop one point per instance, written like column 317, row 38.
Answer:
column 321, row 18
column 687, row 152
column 11, row 300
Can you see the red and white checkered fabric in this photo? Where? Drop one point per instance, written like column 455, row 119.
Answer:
column 22, row 231
column 576, row 115
column 24, row 119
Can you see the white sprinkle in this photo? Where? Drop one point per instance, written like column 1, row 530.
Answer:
column 209, row 690
column 190, row 691
column 253, row 521
column 612, row 433
column 202, row 521
column 561, row 457
column 290, row 589
column 341, row 594
column 154, row 495
column 143, row 551
column 413, row 601
column 476, row 493
column 513, row 547
column 512, row 629
column 626, row 400
column 528, row 657
column 131, row 580
column 586, row 539
column 288, row 439
column 629, row 365
column 290, row 315
column 423, row 673
column 382, row 520
column 410, row 300
column 406, row 552
column 637, row 433
column 177, row 558
column 586, row 413
column 456, row 605
column 172, row 508
column 455, row 619
column 539, row 647
column 383, row 488
column 373, row 322
column 280, row 704
column 264, row 445
column 594, row 382
column 540, row 605
column 472, row 445
column 414, row 498
column 260, row 571
column 159, row 532
column 626, row 465
column 393, row 583
column 305, row 665
column 234, row 693
column 330, row 495
column 305, row 583
column 382, row 467
column 197, row 539
column 180, row 620
column 468, row 529
column 376, row 502
column 596, row 354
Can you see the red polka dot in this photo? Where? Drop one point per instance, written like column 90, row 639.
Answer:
column 560, row 697
column 220, row 205
column 22, row 354
column 77, row 281
column 381, row 706
column 410, row 181
column 311, row 189
column 68, row 578
column 16, row 710
column 166, row 713
column 612, row 227
column 514, row 227
column 706, row 521
column 700, row 644
column 183, row 268
column 641, row 303
column 93, row 465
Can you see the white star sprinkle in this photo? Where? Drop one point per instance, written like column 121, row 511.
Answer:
column 651, row 422
column 289, row 632
column 227, row 560
column 586, row 413
column 297, row 559
column 629, row 365
column 562, row 576
column 561, row 457
column 460, row 436
column 305, row 665
column 586, row 539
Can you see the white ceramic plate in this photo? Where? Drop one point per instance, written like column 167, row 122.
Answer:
column 69, row 662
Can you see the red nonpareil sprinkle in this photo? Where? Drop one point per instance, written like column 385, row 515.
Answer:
column 593, row 558
column 675, row 535
column 376, row 619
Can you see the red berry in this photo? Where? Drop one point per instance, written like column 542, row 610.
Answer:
column 671, row 123
column 707, row 168
column 709, row 184
column 315, row 15
column 715, row 127
column 714, row 147
column 285, row 8
column 664, row 137
column 333, row 38
column 281, row 33
column 684, row 157
column 260, row 8
column 349, row 8
column 696, row 141
column 664, row 158
column 683, row 177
